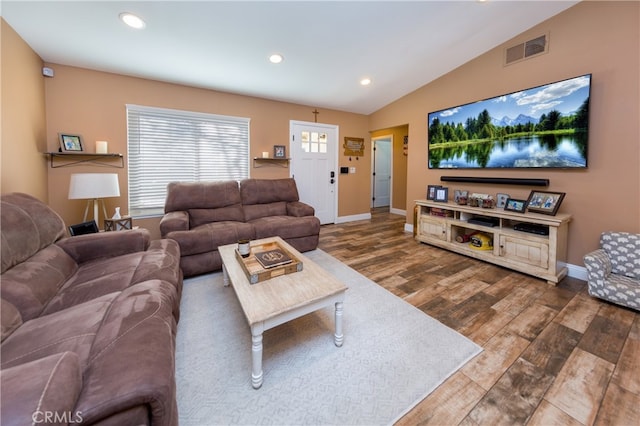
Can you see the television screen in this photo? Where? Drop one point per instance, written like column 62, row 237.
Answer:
column 542, row 127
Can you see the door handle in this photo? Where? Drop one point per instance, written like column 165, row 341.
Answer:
column 332, row 181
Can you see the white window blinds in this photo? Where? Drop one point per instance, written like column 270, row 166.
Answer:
column 167, row 145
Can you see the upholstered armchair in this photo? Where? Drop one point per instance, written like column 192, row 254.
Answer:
column 613, row 270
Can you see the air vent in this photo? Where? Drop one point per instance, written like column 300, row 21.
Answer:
column 526, row 50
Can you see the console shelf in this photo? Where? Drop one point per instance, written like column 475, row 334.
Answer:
column 539, row 254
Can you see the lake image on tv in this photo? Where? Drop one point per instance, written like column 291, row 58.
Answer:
column 541, row 127
column 524, row 151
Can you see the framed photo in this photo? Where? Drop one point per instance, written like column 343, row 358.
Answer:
column 501, row 200
column 70, row 143
column 513, row 205
column 442, row 194
column 279, row 151
column 431, row 191
column 545, row 202
column 460, row 196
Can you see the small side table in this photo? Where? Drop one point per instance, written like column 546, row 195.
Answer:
column 126, row 222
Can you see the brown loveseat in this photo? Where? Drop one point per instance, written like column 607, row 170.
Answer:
column 201, row 216
column 88, row 322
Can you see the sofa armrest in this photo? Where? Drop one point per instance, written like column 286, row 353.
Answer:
column 39, row 390
column 299, row 209
column 174, row 221
column 597, row 263
column 84, row 248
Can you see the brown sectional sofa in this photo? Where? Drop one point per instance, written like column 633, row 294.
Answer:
column 88, row 322
column 201, row 216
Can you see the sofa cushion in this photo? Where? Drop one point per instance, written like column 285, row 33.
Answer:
column 32, row 284
column 256, row 211
column 11, row 318
column 73, row 329
column 24, row 215
column 265, row 191
column 210, row 236
column 44, row 387
column 112, row 274
column 199, row 217
column 201, row 195
column 286, row 226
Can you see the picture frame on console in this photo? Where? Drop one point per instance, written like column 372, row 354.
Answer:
column 279, row 151
column 501, row 200
column 431, row 191
column 442, row 194
column 545, row 202
column 515, row 205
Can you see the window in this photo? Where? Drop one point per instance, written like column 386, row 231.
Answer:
column 167, row 145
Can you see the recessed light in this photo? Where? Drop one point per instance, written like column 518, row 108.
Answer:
column 365, row 81
column 132, row 20
column 276, row 58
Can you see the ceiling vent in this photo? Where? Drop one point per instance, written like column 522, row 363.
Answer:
column 526, row 50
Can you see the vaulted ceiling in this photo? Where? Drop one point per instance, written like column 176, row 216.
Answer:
column 328, row 46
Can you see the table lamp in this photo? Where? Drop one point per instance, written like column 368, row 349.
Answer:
column 93, row 187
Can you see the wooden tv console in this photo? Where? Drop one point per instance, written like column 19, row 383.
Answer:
column 442, row 223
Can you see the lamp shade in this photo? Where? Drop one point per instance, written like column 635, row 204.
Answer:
column 85, row 186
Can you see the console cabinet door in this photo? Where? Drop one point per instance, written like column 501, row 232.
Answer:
column 525, row 251
column 433, row 228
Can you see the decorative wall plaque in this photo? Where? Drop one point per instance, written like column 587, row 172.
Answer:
column 353, row 146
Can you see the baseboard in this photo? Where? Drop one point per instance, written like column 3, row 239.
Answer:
column 398, row 211
column 353, row 218
column 573, row 271
column 576, row 271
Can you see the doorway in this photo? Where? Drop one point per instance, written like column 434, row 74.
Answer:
column 382, row 171
column 314, row 155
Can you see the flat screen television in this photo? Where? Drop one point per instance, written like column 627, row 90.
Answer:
column 541, row 127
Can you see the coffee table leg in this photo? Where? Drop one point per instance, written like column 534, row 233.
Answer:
column 256, row 355
column 338, row 336
column 225, row 276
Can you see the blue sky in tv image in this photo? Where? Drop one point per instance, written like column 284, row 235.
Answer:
column 545, row 126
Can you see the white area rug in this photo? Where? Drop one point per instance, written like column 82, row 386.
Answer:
column 393, row 356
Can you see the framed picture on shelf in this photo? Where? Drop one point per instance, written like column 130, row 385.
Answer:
column 431, row 191
column 442, row 194
column 501, row 200
column 460, row 196
column 279, row 151
column 545, row 202
column 70, row 143
column 513, row 205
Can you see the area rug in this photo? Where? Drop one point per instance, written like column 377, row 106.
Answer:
column 393, row 356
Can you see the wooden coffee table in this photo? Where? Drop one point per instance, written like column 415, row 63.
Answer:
column 275, row 301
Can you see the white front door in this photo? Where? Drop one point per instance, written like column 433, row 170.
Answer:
column 381, row 178
column 314, row 155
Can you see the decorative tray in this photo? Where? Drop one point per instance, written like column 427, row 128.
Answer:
column 268, row 260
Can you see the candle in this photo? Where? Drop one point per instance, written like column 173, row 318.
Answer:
column 265, row 154
column 101, row 147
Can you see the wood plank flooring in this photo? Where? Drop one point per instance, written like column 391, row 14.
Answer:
column 552, row 355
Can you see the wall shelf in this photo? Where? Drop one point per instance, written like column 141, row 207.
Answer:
column 67, row 159
column 265, row 162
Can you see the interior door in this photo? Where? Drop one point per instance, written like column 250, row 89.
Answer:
column 381, row 173
column 314, row 154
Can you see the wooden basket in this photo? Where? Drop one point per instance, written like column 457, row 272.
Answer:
column 254, row 270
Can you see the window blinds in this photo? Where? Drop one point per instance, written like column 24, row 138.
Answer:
column 167, row 145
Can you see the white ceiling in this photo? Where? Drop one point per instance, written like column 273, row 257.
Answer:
column 328, row 46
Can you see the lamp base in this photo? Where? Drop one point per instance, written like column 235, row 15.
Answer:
column 95, row 202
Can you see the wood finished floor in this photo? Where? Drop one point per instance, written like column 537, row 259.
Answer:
column 552, row 355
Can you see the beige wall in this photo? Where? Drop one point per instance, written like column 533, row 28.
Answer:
column 601, row 38
column 24, row 167
column 92, row 104
column 399, row 190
